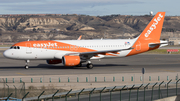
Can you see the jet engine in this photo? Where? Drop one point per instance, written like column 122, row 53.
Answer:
column 71, row 60
column 55, row 61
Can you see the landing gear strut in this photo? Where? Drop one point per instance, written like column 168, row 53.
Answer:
column 89, row 65
column 27, row 64
column 79, row 65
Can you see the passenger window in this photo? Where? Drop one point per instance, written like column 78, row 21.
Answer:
column 18, row 47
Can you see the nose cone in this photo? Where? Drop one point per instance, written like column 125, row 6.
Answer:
column 8, row 54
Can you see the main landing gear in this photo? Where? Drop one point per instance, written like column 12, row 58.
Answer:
column 79, row 65
column 27, row 64
column 89, row 65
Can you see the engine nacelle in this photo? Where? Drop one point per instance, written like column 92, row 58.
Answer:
column 71, row 60
column 55, row 61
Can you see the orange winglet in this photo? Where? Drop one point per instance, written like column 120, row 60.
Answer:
column 79, row 37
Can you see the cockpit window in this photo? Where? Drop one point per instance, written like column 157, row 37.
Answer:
column 15, row 47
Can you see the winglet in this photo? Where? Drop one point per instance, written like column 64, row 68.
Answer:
column 79, row 37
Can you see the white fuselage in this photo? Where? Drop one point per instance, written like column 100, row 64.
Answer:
column 45, row 52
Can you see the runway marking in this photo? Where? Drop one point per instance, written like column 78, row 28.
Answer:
column 21, row 74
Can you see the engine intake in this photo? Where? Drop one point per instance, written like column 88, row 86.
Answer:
column 71, row 60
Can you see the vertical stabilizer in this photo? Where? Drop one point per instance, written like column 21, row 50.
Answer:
column 154, row 28
column 151, row 34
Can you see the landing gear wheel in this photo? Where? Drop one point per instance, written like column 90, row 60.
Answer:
column 26, row 67
column 79, row 65
column 27, row 64
column 89, row 65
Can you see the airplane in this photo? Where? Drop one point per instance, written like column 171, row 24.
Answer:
column 76, row 52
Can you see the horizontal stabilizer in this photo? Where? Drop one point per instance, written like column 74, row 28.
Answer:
column 162, row 43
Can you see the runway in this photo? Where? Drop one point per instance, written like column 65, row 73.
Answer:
column 133, row 64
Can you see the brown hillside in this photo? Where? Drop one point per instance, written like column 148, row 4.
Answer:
column 21, row 28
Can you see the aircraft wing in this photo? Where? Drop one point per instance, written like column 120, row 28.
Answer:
column 88, row 55
column 95, row 53
column 104, row 51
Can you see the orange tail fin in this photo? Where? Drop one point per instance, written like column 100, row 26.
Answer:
column 151, row 34
column 153, row 30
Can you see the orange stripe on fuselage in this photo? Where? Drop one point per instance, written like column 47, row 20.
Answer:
column 53, row 45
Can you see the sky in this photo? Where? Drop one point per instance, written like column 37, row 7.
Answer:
column 90, row 7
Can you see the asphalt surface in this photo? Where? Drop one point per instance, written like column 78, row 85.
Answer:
column 133, row 64
column 153, row 63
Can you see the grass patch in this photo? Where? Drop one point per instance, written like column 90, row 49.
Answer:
column 5, row 45
column 161, row 51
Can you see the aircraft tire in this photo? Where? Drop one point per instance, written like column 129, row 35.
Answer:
column 26, row 66
column 90, row 66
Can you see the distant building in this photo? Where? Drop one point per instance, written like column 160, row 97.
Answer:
column 174, row 41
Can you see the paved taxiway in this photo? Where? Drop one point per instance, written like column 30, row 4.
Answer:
column 133, row 64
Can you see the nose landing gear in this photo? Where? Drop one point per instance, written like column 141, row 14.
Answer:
column 27, row 64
